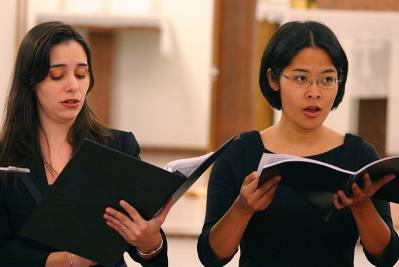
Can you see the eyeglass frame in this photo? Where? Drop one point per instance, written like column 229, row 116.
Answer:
column 311, row 79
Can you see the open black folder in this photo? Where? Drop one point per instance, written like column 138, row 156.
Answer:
column 317, row 181
column 70, row 216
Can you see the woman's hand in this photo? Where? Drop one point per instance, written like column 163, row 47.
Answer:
column 373, row 231
column 77, row 261
column 253, row 198
column 67, row 259
column 360, row 196
column 225, row 236
column 138, row 232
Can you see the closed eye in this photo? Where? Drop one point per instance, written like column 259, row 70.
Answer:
column 80, row 77
column 56, row 73
column 56, row 78
column 81, row 72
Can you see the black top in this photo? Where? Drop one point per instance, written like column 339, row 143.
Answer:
column 16, row 205
column 289, row 232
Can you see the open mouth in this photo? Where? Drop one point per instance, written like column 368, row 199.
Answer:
column 70, row 101
column 312, row 109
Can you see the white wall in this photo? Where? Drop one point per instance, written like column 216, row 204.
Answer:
column 7, row 48
column 164, row 100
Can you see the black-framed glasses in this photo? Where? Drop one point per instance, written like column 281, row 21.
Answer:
column 303, row 81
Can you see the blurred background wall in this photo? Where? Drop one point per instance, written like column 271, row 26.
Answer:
column 8, row 47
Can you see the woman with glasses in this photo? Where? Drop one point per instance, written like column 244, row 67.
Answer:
column 303, row 73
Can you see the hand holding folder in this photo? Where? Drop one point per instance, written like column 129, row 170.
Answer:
column 70, row 216
column 323, row 180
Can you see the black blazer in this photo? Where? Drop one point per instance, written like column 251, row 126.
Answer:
column 17, row 203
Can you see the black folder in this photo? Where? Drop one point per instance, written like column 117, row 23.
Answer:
column 317, row 181
column 70, row 216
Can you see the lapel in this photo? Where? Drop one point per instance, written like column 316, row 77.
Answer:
column 31, row 187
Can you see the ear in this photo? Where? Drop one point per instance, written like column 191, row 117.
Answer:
column 273, row 84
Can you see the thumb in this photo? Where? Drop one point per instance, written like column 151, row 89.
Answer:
column 165, row 210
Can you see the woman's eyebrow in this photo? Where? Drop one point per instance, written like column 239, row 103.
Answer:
column 329, row 71
column 301, row 70
column 323, row 72
column 64, row 65
column 57, row 65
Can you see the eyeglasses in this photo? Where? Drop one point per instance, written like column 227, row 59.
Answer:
column 303, row 81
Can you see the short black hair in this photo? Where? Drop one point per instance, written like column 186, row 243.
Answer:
column 285, row 44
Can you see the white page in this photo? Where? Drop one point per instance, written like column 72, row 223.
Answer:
column 186, row 166
column 14, row 169
column 269, row 159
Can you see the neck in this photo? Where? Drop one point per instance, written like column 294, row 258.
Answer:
column 55, row 148
column 293, row 134
column 289, row 139
column 53, row 133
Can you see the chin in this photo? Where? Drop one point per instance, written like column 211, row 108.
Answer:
column 68, row 118
column 309, row 126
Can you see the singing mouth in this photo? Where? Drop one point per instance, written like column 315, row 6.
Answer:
column 70, row 101
column 312, row 109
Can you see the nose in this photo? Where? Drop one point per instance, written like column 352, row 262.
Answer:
column 313, row 90
column 72, row 83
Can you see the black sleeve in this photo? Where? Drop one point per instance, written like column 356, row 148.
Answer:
column 124, row 142
column 391, row 253
column 15, row 252
column 222, row 192
column 130, row 146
